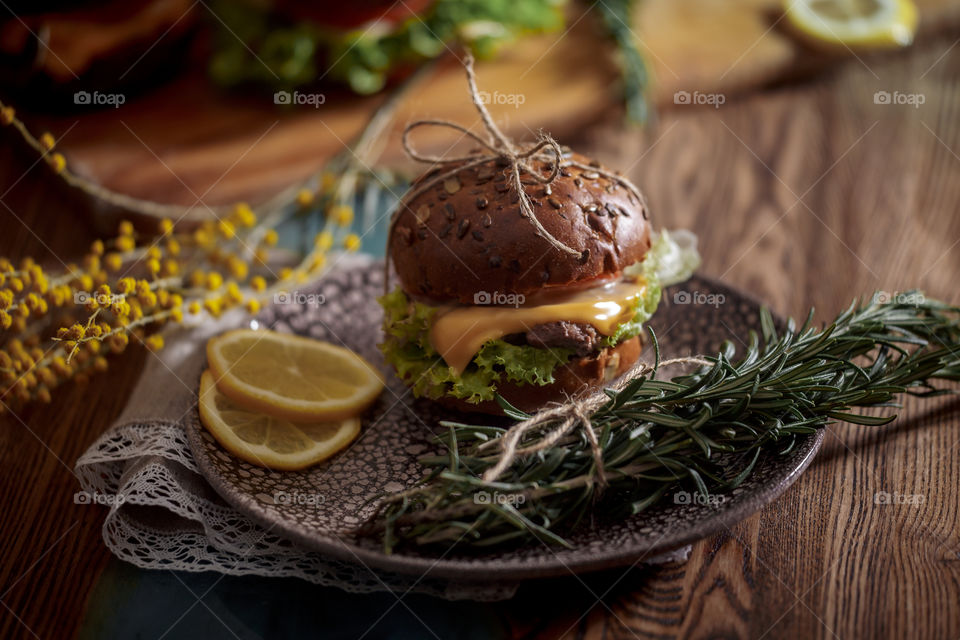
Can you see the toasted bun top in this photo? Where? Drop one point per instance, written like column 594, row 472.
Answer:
column 467, row 234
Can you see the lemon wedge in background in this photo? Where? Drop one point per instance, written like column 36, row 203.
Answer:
column 266, row 441
column 292, row 377
column 880, row 24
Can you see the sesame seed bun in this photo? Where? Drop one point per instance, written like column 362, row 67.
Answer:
column 467, row 233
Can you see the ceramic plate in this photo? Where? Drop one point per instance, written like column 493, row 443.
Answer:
column 315, row 508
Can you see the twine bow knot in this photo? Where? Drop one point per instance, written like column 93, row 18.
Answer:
column 496, row 148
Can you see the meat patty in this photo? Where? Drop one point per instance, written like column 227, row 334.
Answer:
column 582, row 338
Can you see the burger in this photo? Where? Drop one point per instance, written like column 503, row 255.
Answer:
column 487, row 305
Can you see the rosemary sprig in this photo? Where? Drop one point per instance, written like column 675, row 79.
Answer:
column 704, row 430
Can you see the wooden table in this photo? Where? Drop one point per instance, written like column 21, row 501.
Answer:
column 803, row 195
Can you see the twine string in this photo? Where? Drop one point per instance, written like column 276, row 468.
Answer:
column 595, row 447
column 496, row 148
column 570, row 414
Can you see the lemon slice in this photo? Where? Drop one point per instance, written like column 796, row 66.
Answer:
column 291, row 377
column 855, row 23
column 270, row 442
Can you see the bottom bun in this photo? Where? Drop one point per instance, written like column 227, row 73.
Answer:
column 577, row 377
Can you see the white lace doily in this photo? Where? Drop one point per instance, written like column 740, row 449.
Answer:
column 164, row 515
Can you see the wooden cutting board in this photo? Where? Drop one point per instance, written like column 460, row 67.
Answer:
column 185, row 142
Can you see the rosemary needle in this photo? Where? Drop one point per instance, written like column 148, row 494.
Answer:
column 705, row 430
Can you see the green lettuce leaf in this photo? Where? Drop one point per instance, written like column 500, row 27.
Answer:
column 520, row 363
column 406, row 325
column 673, row 257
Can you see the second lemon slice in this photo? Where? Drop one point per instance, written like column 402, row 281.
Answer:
column 270, row 442
column 291, row 377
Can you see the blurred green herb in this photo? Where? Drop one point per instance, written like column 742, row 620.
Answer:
column 254, row 45
column 617, row 18
column 705, row 430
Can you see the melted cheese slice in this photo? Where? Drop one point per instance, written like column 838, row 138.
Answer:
column 458, row 332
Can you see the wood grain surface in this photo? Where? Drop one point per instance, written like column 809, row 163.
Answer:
column 806, row 194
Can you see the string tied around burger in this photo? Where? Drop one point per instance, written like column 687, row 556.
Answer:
column 498, row 148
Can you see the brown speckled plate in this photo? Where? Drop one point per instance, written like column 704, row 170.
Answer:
column 313, row 508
